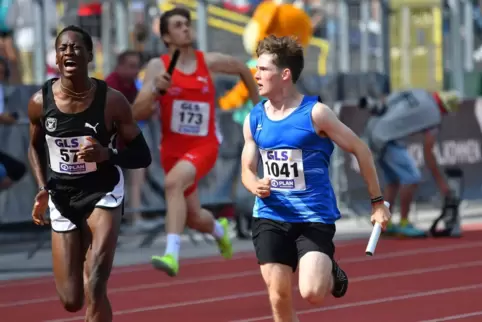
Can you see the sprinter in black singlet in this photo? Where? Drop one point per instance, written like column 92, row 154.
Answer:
column 76, row 117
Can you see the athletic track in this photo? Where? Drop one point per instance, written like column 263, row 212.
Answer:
column 406, row 280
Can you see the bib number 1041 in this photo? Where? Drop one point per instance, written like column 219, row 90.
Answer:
column 287, row 170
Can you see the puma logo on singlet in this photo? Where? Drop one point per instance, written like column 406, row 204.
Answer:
column 94, row 128
column 202, row 79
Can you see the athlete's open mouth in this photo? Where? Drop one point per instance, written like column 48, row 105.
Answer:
column 70, row 65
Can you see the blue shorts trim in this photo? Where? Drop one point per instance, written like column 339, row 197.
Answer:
column 398, row 166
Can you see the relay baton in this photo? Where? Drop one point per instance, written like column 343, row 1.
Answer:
column 172, row 65
column 377, row 230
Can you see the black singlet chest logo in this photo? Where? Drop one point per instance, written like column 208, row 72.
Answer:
column 93, row 127
column 50, row 124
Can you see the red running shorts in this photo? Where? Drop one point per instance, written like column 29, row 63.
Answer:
column 203, row 158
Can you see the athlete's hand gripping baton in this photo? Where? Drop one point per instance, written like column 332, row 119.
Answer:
column 172, row 65
column 377, row 230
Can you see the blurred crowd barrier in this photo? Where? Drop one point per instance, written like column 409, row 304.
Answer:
column 430, row 44
column 460, row 145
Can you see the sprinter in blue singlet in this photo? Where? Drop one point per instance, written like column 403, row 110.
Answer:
column 295, row 210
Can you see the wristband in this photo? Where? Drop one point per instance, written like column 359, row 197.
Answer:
column 43, row 188
column 377, row 200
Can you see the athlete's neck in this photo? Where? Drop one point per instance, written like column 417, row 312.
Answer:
column 77, row 85
column 285, row 98
column 187, row 55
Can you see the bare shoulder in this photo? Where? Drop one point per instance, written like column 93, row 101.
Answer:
column 35, row 106
column 115, row 99
column 118, row 107
column 247, row 133
column 212, row 56
column 37, row 98
column 154, row 68
column 322, row 112
column 216, row 60
column 156, row 64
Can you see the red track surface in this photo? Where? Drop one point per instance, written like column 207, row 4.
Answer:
column 406, row 280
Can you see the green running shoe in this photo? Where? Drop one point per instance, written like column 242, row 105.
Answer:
column 166, row 263
column 224, row 244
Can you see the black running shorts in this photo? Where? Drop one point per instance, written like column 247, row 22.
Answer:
column 285, row 243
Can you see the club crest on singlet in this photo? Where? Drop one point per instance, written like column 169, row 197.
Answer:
column 285, row 169
column 63, row 155
column 190, row 117
column 51, row 124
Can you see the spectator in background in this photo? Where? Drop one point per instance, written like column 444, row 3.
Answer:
column 22, row 18
column 11, row 170
column 124, row 78
column 7, row 48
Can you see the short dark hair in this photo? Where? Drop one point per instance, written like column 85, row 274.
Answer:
column 86, row 38
column 164, row 19
column 287, row 52
column 127, row 53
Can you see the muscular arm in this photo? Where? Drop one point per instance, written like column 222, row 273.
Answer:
column 428, row 145
column 249, row 158
column 36, row 148
column 136, row 153
column 144, row 105
column 220, row 63
column 327, row 122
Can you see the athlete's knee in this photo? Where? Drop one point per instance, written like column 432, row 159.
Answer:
column 314, row 296
column 314, row 292
column 279, row 296
column 316, row 277
column 71, row 298
column 278, row 281
column 177, row 182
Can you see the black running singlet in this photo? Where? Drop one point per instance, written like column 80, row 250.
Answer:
column 65, row 134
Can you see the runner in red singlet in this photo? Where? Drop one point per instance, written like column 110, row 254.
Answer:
column 188, row 120
column 190, row 140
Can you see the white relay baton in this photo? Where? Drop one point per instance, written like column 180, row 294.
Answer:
column 377, row 230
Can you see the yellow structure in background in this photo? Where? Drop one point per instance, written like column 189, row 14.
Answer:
column 425, row 50
column 416, row 57
column 235, row 23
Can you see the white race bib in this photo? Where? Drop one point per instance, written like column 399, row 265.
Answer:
column 63, row 155
column 190, row 117
column 285, row 169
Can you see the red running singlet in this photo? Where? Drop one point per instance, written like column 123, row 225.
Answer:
column 188, row 109
column 188, row 120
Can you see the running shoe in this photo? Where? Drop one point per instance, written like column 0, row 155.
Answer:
column 166, row 263
column 407, row 230
column 340, row 285
column 410, row 231
column 224, row 243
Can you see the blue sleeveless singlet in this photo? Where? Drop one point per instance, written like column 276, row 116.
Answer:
column 297, row 160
